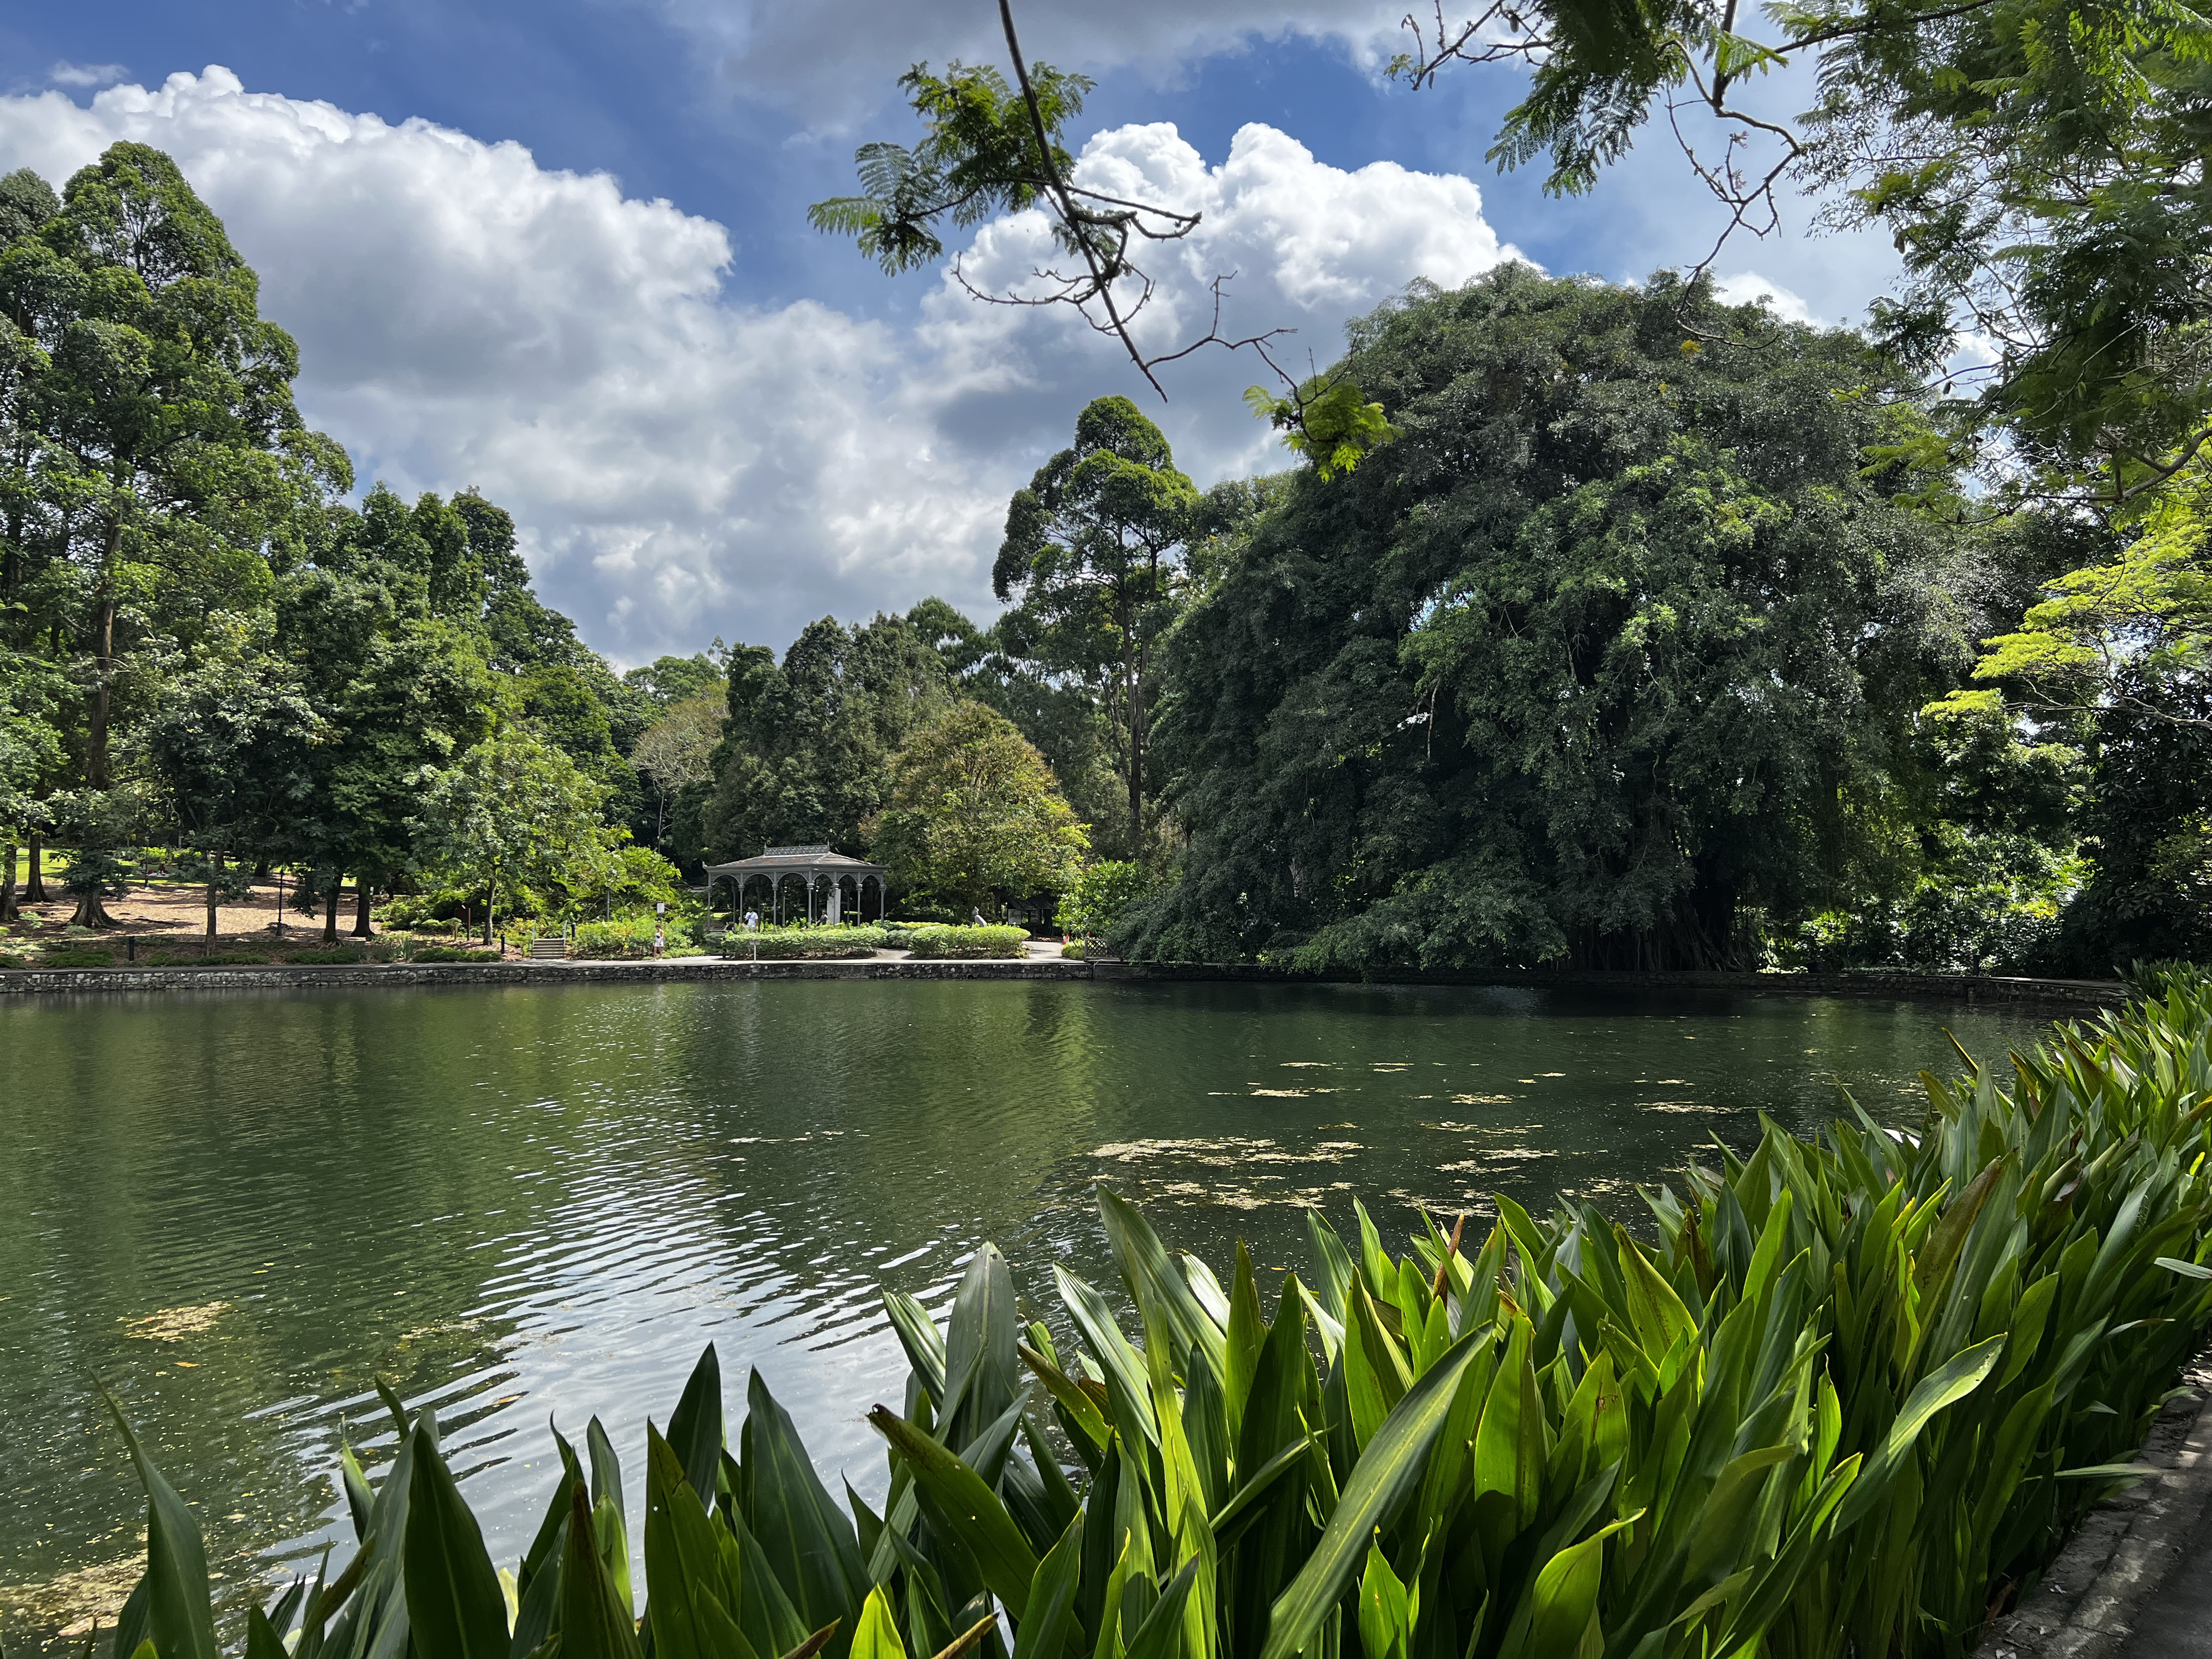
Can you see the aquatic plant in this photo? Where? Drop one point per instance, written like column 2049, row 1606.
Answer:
column 1851, row 1393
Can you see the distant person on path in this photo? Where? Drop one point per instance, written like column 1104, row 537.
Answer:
column 752, row 921
column 659, row 939
column 978, row 914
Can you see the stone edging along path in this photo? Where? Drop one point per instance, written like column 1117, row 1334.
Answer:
column 2059, row 995
column 2136, row 1580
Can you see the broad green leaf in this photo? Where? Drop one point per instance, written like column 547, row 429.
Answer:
column 454, row 1604
column 1077, row 1404
column 1049, row 1619
column 982, row 1371
column 695, row 1428
column 1128, row 1380
column 1384, row 1630
column 1333, row 1268
column 180, row 1617
column 686, row 1589
column 978, row 1519
column 1564, row 1597
column 1949, row 1383
column 919, row 1335
column 1385, row 1475
column 1224, row 1520
column 808, row 1540
column 1155, row 1283
column 1160, row 1635
column 262, row 1641
column 1246, row 1336
column 606, row 1468
column 592, row 1625
column 876, row 1635
column 1655, row 1310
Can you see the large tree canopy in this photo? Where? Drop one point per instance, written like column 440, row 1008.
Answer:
column 804, row 756
column 1613, row 648
column 977, row 817
column 1093, row 557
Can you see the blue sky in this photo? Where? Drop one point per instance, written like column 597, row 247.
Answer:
column 559, row 250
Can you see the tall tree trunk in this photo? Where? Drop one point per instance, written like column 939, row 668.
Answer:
column 330, row 909
column 92, row 912
column 103, row 659
column 491, row 899
column 1132, row 696
column 8, row 909
column 363, row 888
column 34, row 888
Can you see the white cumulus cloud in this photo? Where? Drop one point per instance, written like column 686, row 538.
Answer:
column 683, row 464
column 1748, row 287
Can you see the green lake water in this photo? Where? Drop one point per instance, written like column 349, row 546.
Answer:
column 239, row 1210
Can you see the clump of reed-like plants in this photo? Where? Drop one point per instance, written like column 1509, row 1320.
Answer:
column 1854, row 1392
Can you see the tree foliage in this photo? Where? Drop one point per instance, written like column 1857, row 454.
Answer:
column 804, row 754
column 1093, row 557
column 2038, row 164
column 976, row 816
column 193, row 621
column 514, row 810
column 1618, row 645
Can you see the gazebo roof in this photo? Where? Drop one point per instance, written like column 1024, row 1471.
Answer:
column 797, row 858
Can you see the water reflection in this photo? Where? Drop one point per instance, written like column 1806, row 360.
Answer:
column 239, row 1210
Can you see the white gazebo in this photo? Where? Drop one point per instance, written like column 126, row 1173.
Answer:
column 814, row 866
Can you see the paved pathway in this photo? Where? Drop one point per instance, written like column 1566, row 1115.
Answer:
column 2135, row 1581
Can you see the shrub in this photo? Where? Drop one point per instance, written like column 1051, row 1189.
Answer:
column 795, row 943
column 9, row 959
column 1073, row 950
column 335, row 956
column 420, row 913
column 1102, row 896
column 604, row 941
column 77, row 957
column 452, row 953
column 987, row 941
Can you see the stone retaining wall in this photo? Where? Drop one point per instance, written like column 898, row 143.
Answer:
column 1949, row 987
column 37, row 980
column 2046, row 993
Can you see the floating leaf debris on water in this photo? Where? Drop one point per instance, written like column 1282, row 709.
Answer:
column 172, row 1323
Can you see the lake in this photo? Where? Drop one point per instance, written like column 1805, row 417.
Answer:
column 238, row 1211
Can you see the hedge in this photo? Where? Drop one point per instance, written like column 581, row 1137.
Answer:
column 987, row 941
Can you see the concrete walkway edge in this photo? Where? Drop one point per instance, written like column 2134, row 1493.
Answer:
column 2131, row 1582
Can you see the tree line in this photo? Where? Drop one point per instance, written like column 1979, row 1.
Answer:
column 1610, row 626
column 203, row 645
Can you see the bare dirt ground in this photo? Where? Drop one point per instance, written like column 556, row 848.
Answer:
column 170, row 908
